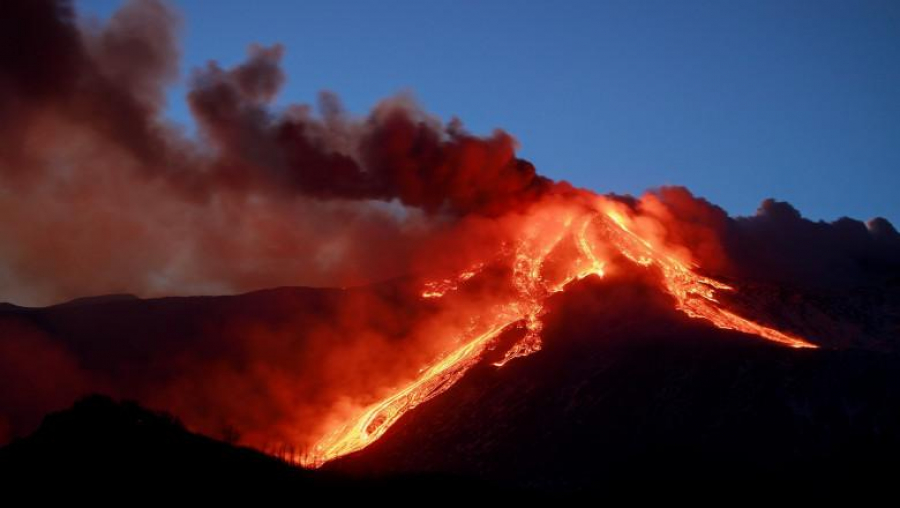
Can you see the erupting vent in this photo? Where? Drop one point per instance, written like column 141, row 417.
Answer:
column 558, row 244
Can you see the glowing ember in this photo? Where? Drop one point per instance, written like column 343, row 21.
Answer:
column 439, row 288
column 556, row 245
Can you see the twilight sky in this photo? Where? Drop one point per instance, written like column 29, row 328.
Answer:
column 737, row 100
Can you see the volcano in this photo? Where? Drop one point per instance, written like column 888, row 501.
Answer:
column 317, row 294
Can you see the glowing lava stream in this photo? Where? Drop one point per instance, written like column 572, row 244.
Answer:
column 694, row 294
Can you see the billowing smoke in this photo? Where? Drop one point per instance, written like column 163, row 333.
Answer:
column 100, row 194
column 777, row 245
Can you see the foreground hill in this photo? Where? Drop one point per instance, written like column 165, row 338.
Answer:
column 100, row 448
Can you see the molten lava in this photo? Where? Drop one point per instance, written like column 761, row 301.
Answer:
column 554, row 245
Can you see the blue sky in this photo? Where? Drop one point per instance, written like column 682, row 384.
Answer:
column 737, row 100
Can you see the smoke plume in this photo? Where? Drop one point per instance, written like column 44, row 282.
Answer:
column 101, row 194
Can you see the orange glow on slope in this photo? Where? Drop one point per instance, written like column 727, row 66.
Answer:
column 553, row 247
column 695, row 294
column 439, row 288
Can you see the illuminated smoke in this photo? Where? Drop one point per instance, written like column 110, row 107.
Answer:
column 101, row 194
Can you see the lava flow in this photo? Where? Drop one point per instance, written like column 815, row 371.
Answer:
column 554, row 246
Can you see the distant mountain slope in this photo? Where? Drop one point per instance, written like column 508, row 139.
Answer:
column 213, row 360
